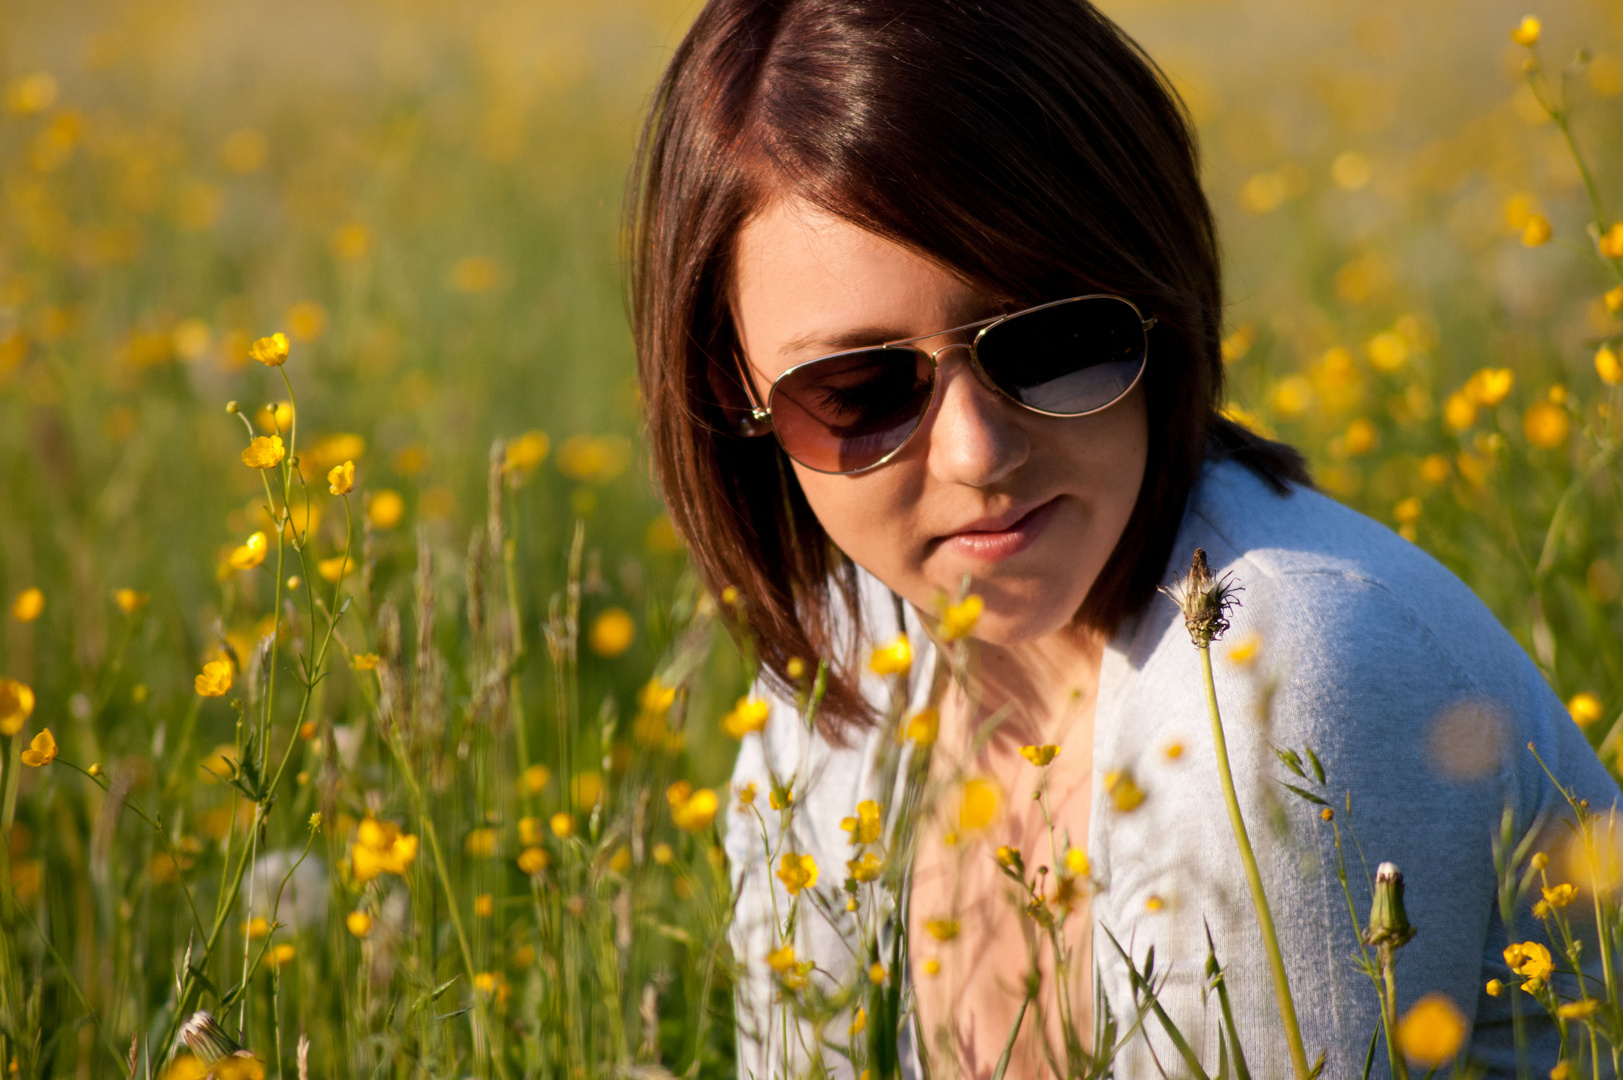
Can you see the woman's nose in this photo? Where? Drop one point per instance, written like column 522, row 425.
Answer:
column 974, row 436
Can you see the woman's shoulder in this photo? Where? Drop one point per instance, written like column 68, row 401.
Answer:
column 1325, row 567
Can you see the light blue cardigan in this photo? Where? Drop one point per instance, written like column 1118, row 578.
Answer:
column 1417, row 701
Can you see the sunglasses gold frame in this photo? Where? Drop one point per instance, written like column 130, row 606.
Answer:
column 759, row 420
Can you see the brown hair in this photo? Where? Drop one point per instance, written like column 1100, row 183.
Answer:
column 1028, row 145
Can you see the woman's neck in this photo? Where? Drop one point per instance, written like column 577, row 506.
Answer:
column 1041, row 687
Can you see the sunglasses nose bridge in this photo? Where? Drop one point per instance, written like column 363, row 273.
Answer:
column 935, row 357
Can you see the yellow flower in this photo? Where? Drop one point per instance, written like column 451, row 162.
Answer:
column 1526, row 32
column 795, row 668
column 42, row 751
column 959, row 619
column 381, row 848
column 341, row 478
column 480, row 843
column 1585, row 708
column 894, row 658
column 1562, row 1071
column 1459, row 412
column 16, row 705
column 533, row 860
column 1007, row 856
column 696, row 811
column 797, row 872
column 867, row 826
column 251, row 553
column 746, row 795
column 257, row 928
column 1432, row 1031
column 1560, row 895
column 923, row 727
column 748, row 716
column 1614, row 299
column 28, row 604
column 866, row 868
column 1607, row 365
column 280, row 955
column 1530, row 960
column 529, row 831
column 185, row 1067
column 334, row 568
column 129, row 601
column 1174, row 751
column 620, row 861
column 1076, row 861
column 484, row 905
column 932, row 967
column 1611, row 242
column 535, row 779
column 527, row 451
column 1435, row 468
column 780, row 798
column 1408, row 511
column 978, row 803
column 876, row 974
column 1489, row 386
column 562, row 824
column 365, row 661
column 385, row 509
column 859, row 1023
column 1541, row 910
column 1494, row 988
column 265, row 452
column 1039, row 755
column 1124, row 792
column 1245, row 650
column 941, row 929
column 1546, row 425
column 239, row 1066
column 612, row 632
column 663, row 854
column 270, row 351
column 1582, row 1009
column 1537, row 232
column 215, row 680
column 358, row 923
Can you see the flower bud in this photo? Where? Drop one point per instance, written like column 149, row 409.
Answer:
column 1388, row 922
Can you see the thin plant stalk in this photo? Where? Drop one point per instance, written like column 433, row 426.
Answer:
column 1253, row 877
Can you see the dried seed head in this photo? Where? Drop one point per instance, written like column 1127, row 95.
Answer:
column 1388, row 922
column 1204, row 600
column 207, row 1039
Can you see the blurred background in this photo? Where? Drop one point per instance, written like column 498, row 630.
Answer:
column 426, row 198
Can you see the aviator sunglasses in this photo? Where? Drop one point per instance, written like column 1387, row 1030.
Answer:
column 854, row 410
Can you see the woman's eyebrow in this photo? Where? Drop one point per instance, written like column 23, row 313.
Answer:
column 835, row 341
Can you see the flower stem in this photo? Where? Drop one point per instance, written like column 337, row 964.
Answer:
column 1253, row 877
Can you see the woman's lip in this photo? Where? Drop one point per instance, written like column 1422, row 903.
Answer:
column 1002, row 540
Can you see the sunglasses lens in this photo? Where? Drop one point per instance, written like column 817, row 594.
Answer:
column 847, row 412
column 1068, row 358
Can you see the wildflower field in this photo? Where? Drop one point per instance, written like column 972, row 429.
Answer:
column 352, row 685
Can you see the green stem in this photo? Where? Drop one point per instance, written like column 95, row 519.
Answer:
column 1389, row 1012
column 1253, row 877
column 421, row 804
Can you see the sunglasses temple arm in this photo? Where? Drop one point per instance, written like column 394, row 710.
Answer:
column 759, row 420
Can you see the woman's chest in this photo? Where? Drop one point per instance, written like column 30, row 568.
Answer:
column 998, row 909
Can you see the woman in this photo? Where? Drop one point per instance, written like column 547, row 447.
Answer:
column 927, row 296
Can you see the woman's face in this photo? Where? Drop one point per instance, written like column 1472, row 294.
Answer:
column 1028, row 506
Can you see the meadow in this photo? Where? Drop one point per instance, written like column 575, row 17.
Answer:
column 419, row 760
